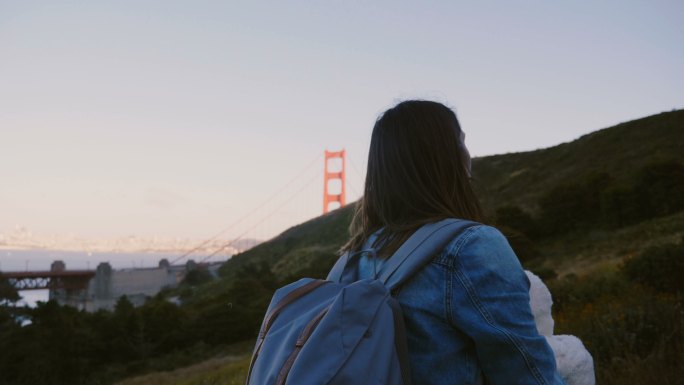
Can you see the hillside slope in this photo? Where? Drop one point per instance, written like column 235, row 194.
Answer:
column 520, row 178
column 310, row 247
column 516, row 178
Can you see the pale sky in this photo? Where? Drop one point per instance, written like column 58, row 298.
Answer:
column 176, row 118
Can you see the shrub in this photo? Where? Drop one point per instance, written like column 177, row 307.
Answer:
column 659, row 189
column 573, row 205
column 523, row 247
column 514, row 217
column 660, row 267
column 197, row 277
column 627, row 323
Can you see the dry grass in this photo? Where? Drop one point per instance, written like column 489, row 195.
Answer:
column 226, row 370
column 585, row 254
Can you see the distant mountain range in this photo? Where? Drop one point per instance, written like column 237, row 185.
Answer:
column 21, row 238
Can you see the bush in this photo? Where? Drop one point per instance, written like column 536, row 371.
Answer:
column 659, row 189
column 8, row 294
column 196, row 277
column 574, row 205
column 625, row 321
column 660, row 268
column 514, row 217
column 618, row 207
column 523, row 247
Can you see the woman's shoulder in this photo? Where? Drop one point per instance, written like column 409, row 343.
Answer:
column 477, row 234
column 482, row 242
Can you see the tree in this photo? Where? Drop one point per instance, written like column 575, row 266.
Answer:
column 618, row 206
column 660, row 267
column 574, row 205
column 197, row 277
column 8, row 294
column 659, row 189
column 515, row 218
column 236, row 313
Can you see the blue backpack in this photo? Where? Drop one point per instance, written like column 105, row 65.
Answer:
column 342, row 330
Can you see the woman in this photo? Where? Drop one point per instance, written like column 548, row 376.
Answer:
column 467, row 313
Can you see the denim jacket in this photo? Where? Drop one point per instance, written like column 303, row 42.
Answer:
column 468, row 317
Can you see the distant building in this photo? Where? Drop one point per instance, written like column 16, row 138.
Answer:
column 108, row 285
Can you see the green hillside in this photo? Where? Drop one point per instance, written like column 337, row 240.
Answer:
column 520, row 178
column 511, row 179
column 308, row 247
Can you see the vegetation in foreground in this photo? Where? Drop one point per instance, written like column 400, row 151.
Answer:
column 228, row 370
column 631, row 319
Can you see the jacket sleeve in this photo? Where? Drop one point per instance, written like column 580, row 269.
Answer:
column 488, row 300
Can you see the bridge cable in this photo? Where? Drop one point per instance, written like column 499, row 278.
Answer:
column 358, row 173
column 227, row 244
column 249, row 213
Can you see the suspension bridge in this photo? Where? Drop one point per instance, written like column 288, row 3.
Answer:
column 296, row 199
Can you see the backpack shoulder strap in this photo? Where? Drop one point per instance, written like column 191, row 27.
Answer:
column 335, row 274
column 341, row 271
column 421, row 247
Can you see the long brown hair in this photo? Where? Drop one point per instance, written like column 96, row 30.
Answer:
column 417, row 174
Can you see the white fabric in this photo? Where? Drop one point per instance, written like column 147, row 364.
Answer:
column 575, row 364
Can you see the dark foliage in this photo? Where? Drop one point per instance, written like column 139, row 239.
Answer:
column 235, row 314
column 596, row 201
column 514, row 217
column 659, row 189
column 196, row 277
column 630, row 320
column 62, row 345
column 661, row 268
column 570, row 206
column 523, row 247
column 8, row 294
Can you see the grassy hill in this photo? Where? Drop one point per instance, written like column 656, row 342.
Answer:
column 307, row 247
column 521, row 178
column 516, row 178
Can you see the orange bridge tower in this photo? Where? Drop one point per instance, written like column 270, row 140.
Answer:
column 336, row 174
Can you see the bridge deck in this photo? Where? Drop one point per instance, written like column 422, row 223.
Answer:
column 39, row 280
column 47, row 274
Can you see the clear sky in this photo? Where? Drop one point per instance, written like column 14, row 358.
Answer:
column 175, row 118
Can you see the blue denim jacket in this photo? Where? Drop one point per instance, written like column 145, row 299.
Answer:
column 468, row 317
